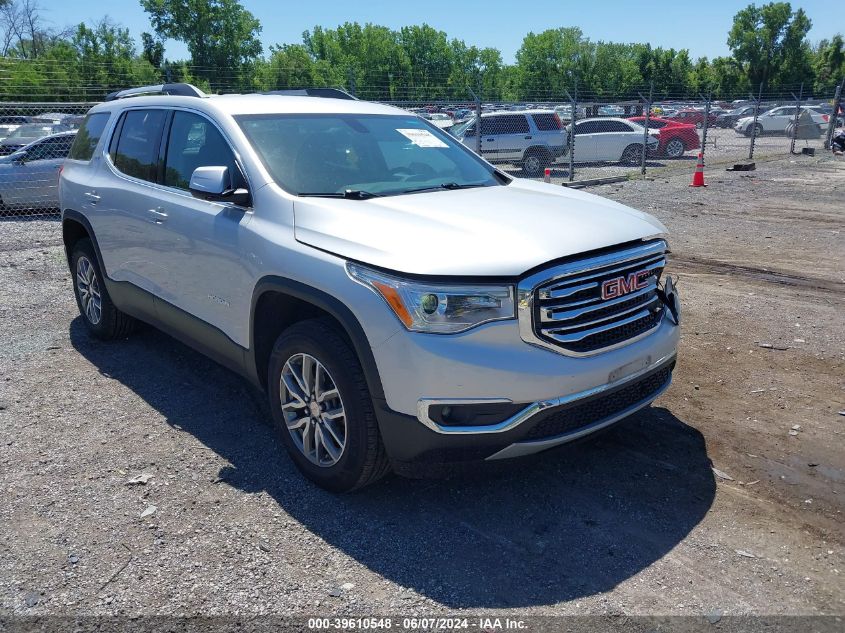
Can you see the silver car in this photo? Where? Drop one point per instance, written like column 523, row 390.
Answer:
column 29, row 178
column 401, row 301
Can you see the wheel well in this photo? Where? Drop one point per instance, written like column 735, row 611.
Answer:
column 72, row 232
column 274, row 313
column 537, row 150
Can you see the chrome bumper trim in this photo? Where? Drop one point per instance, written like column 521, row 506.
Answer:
column 530, row 410
column 520, row 449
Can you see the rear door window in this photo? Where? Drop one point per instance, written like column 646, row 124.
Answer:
column 135, row 152
column 546, row 122
column 50, row 148
column 507, row 124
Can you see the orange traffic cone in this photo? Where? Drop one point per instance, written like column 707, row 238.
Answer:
column 698, row 176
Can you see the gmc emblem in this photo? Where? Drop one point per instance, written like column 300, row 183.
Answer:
column 619, row 286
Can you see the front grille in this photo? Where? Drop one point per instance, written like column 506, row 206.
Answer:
column 573, row 417
column 568, row 311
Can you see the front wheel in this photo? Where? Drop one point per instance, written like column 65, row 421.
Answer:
column 632, row 154
column 675, row 148
column 322, row 408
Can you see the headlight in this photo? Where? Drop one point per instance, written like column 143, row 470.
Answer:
column 437, row 308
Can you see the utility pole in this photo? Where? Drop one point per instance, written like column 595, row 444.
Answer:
column 754, row 123
column 645, row 124
column 794, row 134
column 831, row 125
column 573, row 105
column 706, row 121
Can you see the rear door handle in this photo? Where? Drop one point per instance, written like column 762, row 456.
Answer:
column 159, row 216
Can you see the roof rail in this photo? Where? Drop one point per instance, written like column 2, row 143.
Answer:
column 182, row 90
column 325, row 93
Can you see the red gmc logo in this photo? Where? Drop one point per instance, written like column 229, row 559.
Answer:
column 619, row 286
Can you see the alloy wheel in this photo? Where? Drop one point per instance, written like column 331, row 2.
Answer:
column 532, row 165
column 88, row 287
column 313, row 410
column 674, row 148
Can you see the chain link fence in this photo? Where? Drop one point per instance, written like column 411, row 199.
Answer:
column 563, row 137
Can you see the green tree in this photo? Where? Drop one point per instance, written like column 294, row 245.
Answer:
column 769, row 42
column 221, row 36
column 829, row 64
column 548, row 63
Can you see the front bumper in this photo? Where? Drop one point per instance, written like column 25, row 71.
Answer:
column 551, row 424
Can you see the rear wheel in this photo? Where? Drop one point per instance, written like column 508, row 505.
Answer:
column 535, row 162
column 632, row 154
column 675, row 148
column 322, row 408
column 98, row 312
column 699, row 125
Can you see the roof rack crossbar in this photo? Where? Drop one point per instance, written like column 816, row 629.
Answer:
column 182, row 90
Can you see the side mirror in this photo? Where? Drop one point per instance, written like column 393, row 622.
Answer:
column 213, row 183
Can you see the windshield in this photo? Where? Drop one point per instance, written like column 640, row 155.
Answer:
column 333, row 154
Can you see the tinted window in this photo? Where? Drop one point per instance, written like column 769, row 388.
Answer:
column 136, row 151
column 587, row 127
column 654, row 125
column 509, row 124
column 88, row 136
column 611, row 126
column 546, row 122
column 194, row 142
column 50, row 148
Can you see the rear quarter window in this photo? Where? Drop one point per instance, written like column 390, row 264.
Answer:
column 88, row 136
column 546, row 122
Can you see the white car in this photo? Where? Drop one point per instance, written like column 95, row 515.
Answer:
column 439, row 119
column 610, row 139
column 774, row 121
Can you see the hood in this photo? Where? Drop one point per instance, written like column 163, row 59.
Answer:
column 490, row 231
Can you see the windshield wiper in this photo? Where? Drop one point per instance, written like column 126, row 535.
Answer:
column 349, row 194
column 447, row 185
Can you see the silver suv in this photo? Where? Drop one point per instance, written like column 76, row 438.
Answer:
column 531, row 139
column 401, row 301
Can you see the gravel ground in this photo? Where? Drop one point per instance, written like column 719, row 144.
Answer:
column 725, row 497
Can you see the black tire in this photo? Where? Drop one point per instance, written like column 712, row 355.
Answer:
column 750, row 130
column 363, row 459
column 699, row 125
column 535, row 161
column 632, row 155
column 112, row 323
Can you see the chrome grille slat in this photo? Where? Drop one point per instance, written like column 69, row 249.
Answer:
column 549, row 293
column 553, row 314
column 562, row 308
column 557, row 326
column 578, row 336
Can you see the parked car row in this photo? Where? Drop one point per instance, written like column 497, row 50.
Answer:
column 535, row 139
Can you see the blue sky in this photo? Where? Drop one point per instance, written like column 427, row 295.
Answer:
column 700, row 26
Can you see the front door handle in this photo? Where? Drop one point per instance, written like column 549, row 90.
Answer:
column 490, row 140
column 92, row 196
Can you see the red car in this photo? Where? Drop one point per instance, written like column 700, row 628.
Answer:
column 675, row 138
column 695, row 117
